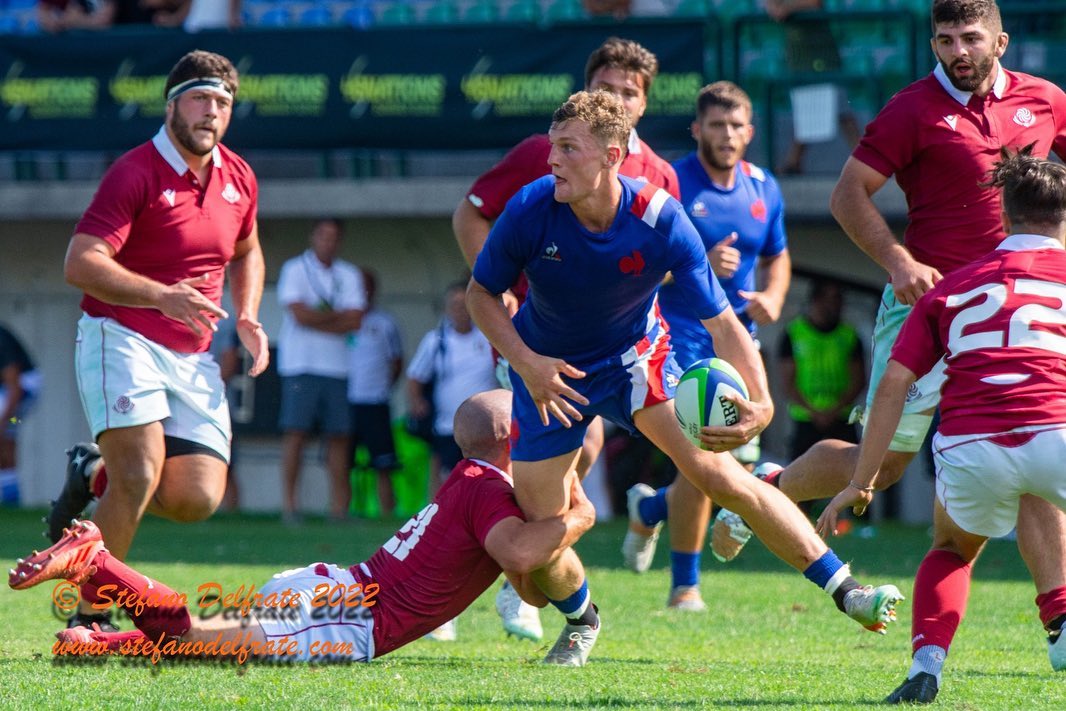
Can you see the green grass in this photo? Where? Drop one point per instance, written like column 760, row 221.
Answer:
column 770, row 640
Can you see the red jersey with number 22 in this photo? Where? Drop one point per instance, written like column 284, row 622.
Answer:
column 437, row 565
column 1001, row 323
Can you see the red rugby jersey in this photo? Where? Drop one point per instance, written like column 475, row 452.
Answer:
column 940, row 143
column 436, row 565
column 164, row 225
column 1001, row 322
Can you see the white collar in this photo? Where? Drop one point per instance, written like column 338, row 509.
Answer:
column 634, row 141
column 1021, row 242
column 170, row 153
column 312, row 259
column 963, row 97
column 496, row 469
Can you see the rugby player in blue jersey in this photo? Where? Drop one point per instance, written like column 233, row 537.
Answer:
column 589, row 340
column 737, row 209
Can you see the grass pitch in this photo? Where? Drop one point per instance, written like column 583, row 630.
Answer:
column 771, row 640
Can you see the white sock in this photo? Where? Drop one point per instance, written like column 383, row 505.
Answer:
column 929, row 659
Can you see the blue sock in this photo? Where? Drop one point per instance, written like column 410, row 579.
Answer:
column 685, row 568
column 652, row 510
column 576, row 604
column 821, row 571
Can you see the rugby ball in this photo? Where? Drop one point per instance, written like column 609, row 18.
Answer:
column 701, row 397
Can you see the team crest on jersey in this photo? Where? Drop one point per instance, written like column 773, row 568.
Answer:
column 632, row 263
column 230, row 194
column 699, row 209
column 168, row 195
column 1024, row 117
column 952, row 120
column 758, row 210
column 123, row 405
column 551, row 253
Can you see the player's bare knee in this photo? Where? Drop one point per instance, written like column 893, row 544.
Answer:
column 136, row 484
column 191, row 506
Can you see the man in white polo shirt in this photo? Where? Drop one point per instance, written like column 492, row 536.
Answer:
column 322, row 299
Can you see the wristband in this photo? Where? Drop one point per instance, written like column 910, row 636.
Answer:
column 864, row 489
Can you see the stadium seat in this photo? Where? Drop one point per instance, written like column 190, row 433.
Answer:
column 522, row 11
column 397, row 13
column 8, row 24
column 277, row 16
column 693, row 8
column 564, row 11
column 482, row 11
column 318, row 15
column 441, row 13
column 359, row 16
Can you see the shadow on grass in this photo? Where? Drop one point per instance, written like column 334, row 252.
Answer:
column 258, row 539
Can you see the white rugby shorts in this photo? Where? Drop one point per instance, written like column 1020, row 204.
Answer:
column 336, row 632
column 127, row 380
column 981, row 477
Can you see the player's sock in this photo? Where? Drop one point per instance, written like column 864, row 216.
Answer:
column 98, row 481
column 163, row 612
column 774, row 478
column 941, row 590
column 928, row 658
column 832, row 575
column 578, row 608
column 652, row 509
column 685, row 568
column 1052, row 606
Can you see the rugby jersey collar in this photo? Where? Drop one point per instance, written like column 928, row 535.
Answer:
column 496, row 469
column 963, row 97
column 1021, row 242
column 170, row 153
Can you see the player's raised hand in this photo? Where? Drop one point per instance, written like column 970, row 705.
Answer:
column 754, row 417
column 183, row 302
column 762, row 308
column 543, row 378
column 911, row 279
column 254, row 338
column 724, row 257
column 858, row 499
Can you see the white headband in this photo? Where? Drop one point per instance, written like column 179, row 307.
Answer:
column 214, row 84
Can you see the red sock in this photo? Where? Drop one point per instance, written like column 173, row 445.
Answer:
column 1052, row 604
column 100, row 481
column 941, row 590
column 115, row 640
column 773, row 477
column 163, row 612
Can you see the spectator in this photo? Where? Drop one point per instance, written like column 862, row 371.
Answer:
column 375, row 361
column 322, row 298
column 61, row 15
column 458, row 360
column 823, row 369
column 810, row 48
column 19, row 386
column 196, row 15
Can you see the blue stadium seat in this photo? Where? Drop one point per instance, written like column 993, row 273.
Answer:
column 277, row 16
column 693, row 8
column 318, row 15
column 360, row 16
column 9, row 25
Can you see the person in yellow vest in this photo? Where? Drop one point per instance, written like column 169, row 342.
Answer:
column 822, row 366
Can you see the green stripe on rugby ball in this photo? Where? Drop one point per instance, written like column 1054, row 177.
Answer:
column 700, row 400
